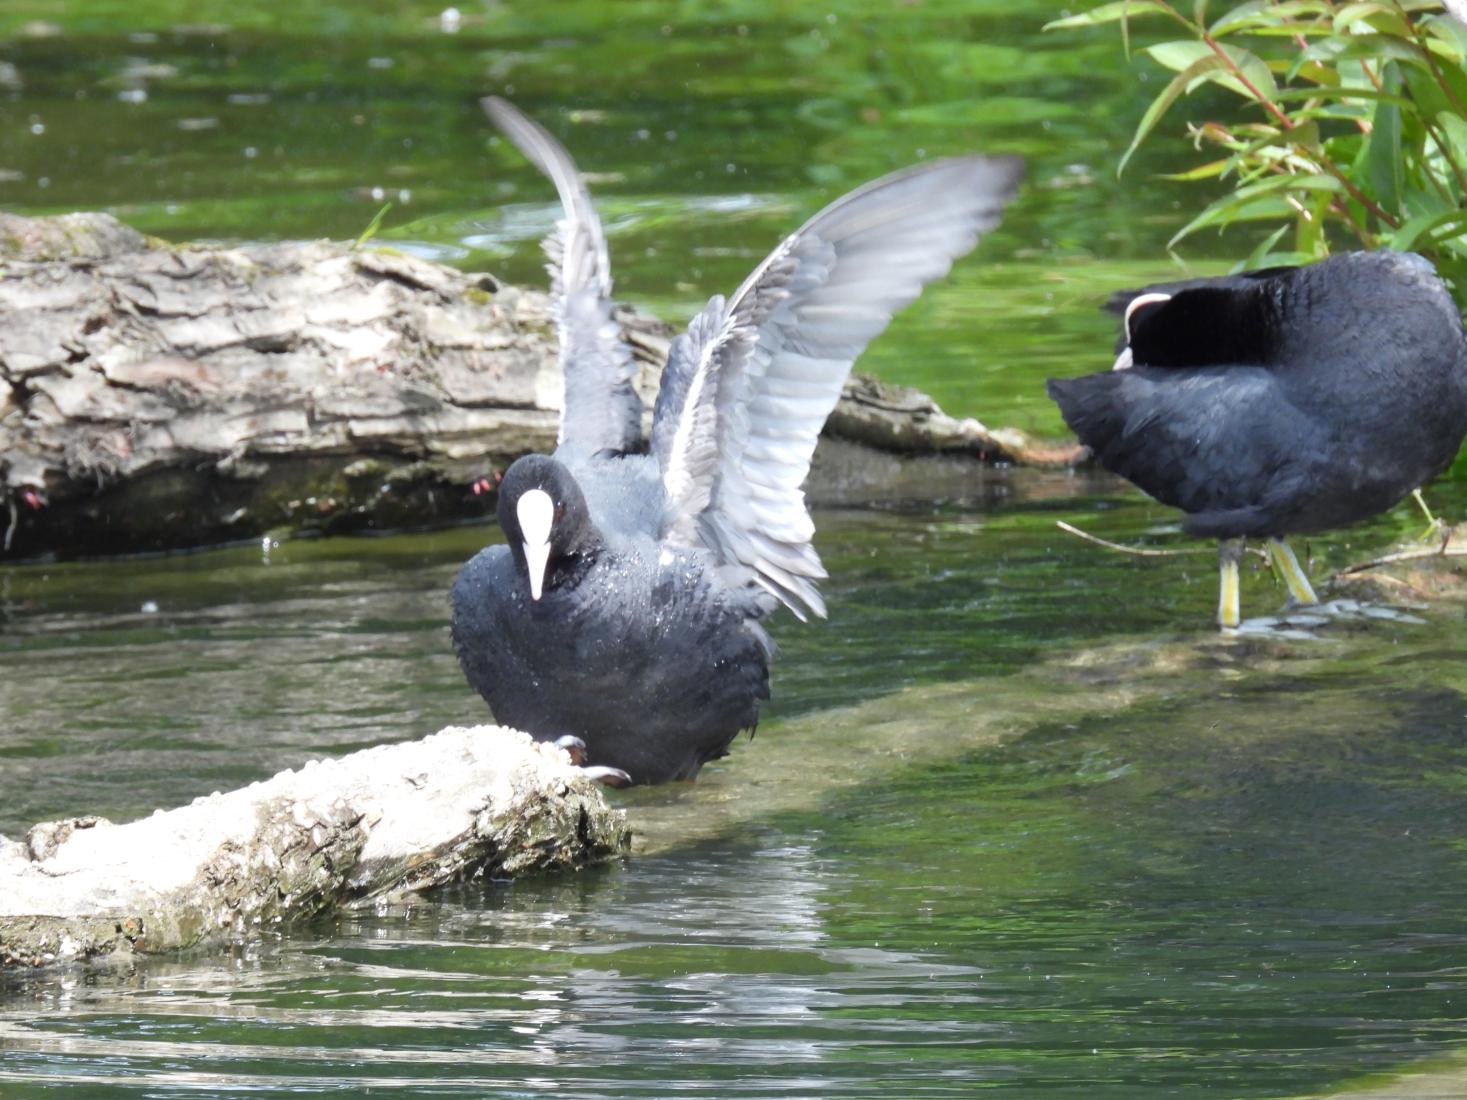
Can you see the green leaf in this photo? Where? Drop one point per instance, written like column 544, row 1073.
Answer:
column 1258, row 257
column 1109, row 13
column 1263, row 16
column 1270, row 149
column 1253, row 68
column 1158, row 107
column 1385, row 18
column 1382, row 160
column 1320, row 75
column 1344, row 95
column 1367, row 47
column 1264, row 199
column 1428, row 226
column 1418, row 201
column 1454, row 128
column 1210, row 170
column 372, row 227
column 1183, row 55
column 1429, row 96
column 1286, row 258
column 1446, row 38
column 1451, row 75
column 1449, row 233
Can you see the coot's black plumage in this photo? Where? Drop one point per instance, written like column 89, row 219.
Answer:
column 1279, row 402
column 625, row 609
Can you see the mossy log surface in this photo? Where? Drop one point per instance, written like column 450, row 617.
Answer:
column 155, row 397
column 381, row 823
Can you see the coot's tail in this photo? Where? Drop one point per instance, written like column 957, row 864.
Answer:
column 1091, row 407
column 1173, row 441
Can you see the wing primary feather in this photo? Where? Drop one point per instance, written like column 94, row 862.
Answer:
column 748, row 387
column 600, row 410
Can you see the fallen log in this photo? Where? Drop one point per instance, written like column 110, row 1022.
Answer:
column 382, row 823
column 156, row 397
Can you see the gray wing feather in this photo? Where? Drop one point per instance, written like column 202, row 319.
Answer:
column 748, row 388
column 601, row 409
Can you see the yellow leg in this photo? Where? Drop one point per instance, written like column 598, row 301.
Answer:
column 1433, row 525
column 1229, row 553
column 1286, row 568
column 1421, row 502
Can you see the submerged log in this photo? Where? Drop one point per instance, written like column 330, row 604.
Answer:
column 381, row 823
column 157, row 397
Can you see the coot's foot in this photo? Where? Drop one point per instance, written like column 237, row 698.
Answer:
column 575, row 748
column 1434, row 524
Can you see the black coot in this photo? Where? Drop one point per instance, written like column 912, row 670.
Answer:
column 625, row 609
column 1279, row 402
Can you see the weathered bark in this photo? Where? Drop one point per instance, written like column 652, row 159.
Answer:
column 384, row 822
column 154, row 397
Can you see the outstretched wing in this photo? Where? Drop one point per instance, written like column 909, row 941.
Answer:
column 601, row 410
column 747, row 388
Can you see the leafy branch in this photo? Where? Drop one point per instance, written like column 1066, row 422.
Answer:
column 1351, row 123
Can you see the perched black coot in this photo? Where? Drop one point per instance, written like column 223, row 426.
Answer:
column 1280, row 402
column 625, row 610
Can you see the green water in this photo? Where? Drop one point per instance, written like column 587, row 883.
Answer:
column 1017, row 822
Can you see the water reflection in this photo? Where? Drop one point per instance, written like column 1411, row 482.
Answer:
column 1207, row 860
column 675, row 961
column 1256, row 905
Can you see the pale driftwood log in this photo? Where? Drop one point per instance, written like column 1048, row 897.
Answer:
column 155, row 397
column 380, row 823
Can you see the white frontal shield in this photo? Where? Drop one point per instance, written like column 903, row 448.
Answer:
column 1124, row 361
column 536, row 512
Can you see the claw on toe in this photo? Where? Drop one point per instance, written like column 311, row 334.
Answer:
column 574, row 747
column 608, row 777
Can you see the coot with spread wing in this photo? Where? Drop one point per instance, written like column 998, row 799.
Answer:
column 626, row 608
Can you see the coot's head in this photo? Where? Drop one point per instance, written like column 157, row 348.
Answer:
column 544, row 516
column 1231, row 320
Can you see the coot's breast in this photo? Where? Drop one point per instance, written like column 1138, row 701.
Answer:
column 649, row 663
